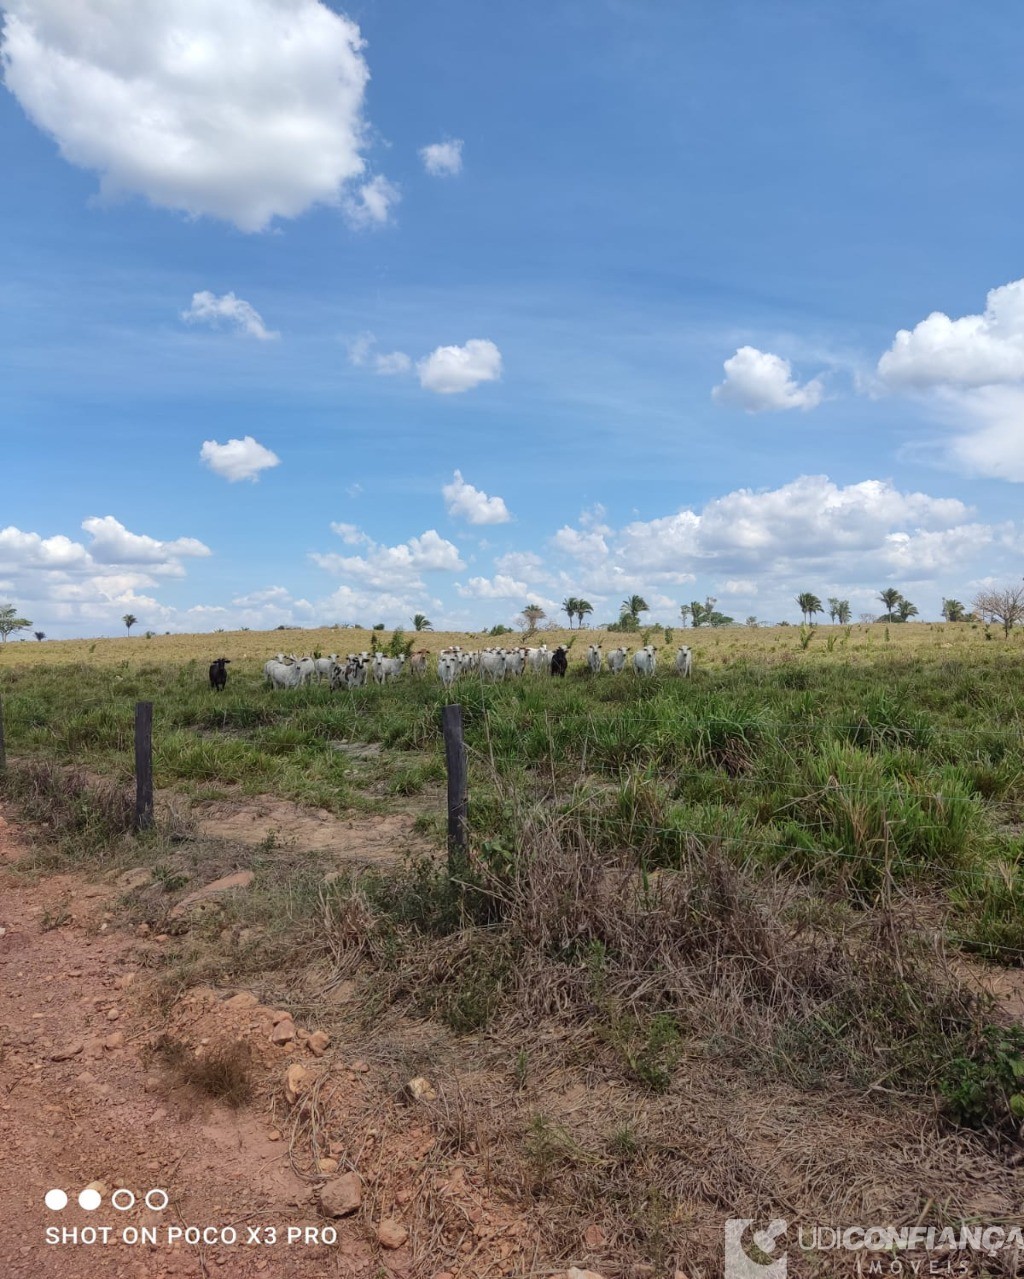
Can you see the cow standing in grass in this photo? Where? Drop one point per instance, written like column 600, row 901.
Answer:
column 559, row 662
column 219, row 674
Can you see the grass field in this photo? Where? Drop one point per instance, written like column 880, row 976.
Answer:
column 778, row 868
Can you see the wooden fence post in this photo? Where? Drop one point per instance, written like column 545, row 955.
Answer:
column 458, row 789
column 143, row 765
column 3, row 749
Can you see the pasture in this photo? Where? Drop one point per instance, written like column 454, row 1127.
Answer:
column 799, row 871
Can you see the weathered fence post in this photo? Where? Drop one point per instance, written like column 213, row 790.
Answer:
column 3, row 748
column 458, row 788
column 143, row 765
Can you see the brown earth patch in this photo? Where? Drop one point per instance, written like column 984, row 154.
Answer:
column 522, row 1156
column 371, row 838
column 1005, row 985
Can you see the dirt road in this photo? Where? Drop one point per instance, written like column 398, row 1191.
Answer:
column 82, row 1103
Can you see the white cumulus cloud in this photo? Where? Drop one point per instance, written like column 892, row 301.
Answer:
column 586, row 546
column 471, row 504
column 66, row 586
column 391, row 567
column 112, row 543
column 207, row 308
column 971, row 351
column 238, row 459
column 443, row 159
column 759, row 381
column 450, row 370
column 244, row 110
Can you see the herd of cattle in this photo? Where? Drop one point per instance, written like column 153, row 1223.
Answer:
column 489, row 664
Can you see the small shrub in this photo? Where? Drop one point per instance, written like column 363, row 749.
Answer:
column 985, row 1087
column 225, row 1073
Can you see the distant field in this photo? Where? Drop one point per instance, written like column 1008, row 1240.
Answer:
column 710, row 646
column 790, row 879
column 875, row 747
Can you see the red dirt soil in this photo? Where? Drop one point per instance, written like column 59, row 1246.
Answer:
column 80, row 1103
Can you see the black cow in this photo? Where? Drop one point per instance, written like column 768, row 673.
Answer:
column 559, row 662
column 219, row 673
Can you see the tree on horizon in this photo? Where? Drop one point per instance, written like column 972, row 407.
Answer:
column 11, row 622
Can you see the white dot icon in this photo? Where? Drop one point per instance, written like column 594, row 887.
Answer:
column 55, row 1200
column 90, row 1199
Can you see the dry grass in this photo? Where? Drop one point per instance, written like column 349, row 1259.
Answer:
column 710, row 647
column 223, row 1072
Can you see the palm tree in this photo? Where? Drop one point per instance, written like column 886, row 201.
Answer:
column 583, row 609
column 890, row 597
column 833, row 609
column 532, row 614
column 634, row 606
column 129, row 620
column 953, row 610
column 685, row 612
column 422, row 623
column 808, row 604
column 843, row 612
column 905, row 610
column 570, row 606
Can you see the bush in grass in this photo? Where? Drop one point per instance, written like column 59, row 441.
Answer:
column 984, row 1088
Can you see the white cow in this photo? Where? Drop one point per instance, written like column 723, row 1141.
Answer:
column 386, row 668
column 594, row 658
column 515, row 661
column 323, row 666
column 684, row 661
column 616, row 659
column 448, row 668
column 538, row 660
column 644, row 660
column 306, row 668
column 492, row 665
column 282, row 674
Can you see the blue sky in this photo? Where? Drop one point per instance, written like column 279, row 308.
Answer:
column 315, row 315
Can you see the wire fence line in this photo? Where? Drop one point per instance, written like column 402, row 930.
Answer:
column 736, row 733
column 653, row 844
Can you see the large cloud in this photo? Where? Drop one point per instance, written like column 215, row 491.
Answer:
column 388, row 567
column 238, row 459
column 450, row 370
column 758, row 381
column 972, row 351
column 66, row 584
column 808, row 534
column 242, row 109
column 989, row 438
column 112, row 543
column 472, row 504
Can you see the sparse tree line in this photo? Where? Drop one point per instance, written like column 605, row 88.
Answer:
column 1005, row 606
